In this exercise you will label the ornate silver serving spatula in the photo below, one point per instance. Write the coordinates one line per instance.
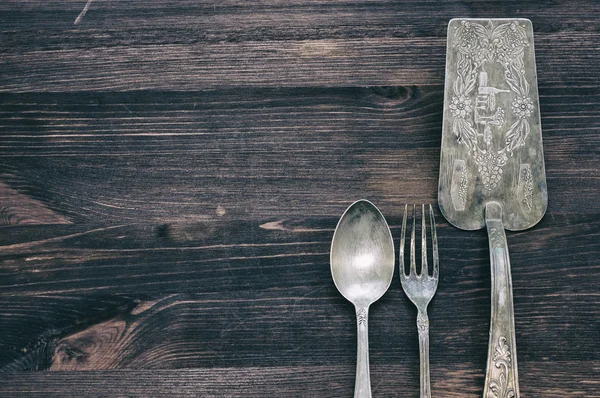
(492, 164)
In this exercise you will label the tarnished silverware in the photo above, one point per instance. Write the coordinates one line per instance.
(420, 287)
(492, 164)
(362, 265)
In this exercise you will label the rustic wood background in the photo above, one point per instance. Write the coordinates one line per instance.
(171, 174)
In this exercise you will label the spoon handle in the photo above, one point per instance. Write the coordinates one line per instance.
(362, 386)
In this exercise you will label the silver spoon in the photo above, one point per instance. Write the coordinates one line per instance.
(362, 265)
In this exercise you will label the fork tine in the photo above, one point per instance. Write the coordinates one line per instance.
(413, 263)
(402, 240)
(434, 245)
(424, 267)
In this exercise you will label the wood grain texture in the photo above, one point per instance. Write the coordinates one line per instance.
(321, 381)
(146, 156)
(175, 296)
(171, 175)
(183, 45)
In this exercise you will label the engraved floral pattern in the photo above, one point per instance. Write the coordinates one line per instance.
(460, 106)
(459, 185)
(497, 238)
(481, 47)
(526, 186)
(522, 107)
(361, 315)
(423, 323)
(462, 189)
(489, 165)
(500, 386)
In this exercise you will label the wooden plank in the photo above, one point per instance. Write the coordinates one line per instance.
(390, 380)
(142, 297)
(331, 63)
(157, 156)
(160, 157)
(308, 381)
(191, 46)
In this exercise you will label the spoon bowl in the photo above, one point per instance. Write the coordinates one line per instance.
(362, 254)
(362, 266)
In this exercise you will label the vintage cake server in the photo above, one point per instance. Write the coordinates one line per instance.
(492, 165)
(362, 265)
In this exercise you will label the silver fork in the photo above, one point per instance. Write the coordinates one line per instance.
(420, 287)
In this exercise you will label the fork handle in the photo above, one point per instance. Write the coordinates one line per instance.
(501, 379)
(423, 328)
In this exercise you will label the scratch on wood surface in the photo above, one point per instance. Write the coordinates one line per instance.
(279, 226)
(83, 12)
(29, 245)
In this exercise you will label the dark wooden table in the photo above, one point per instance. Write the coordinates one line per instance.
(171, 174)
